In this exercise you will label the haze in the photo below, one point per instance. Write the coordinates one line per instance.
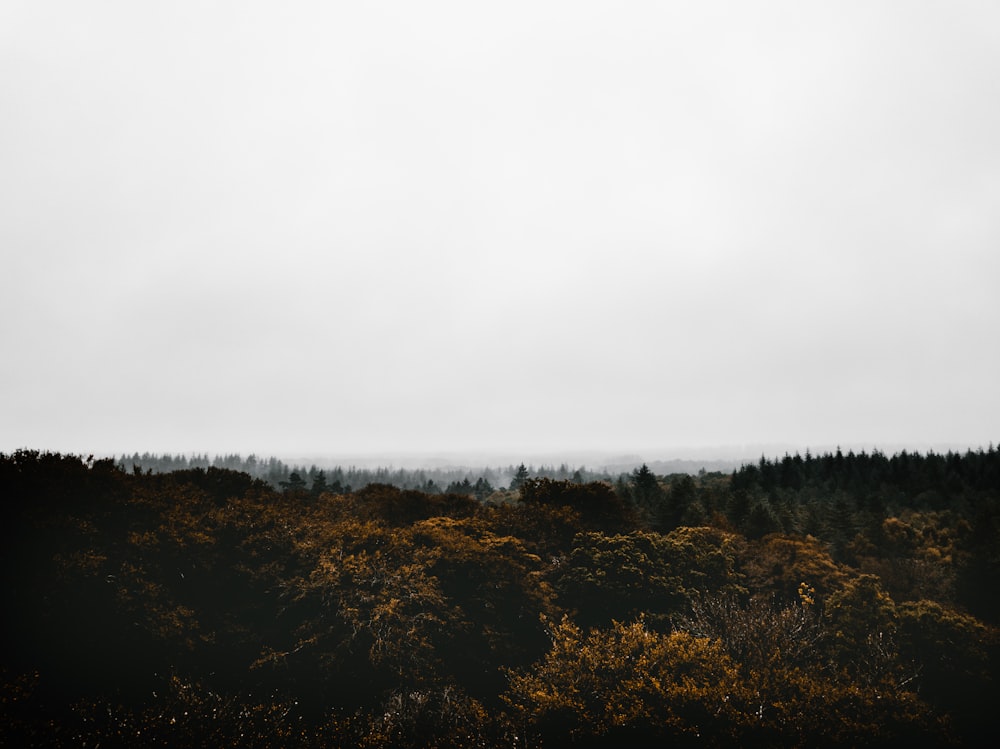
(318, 228)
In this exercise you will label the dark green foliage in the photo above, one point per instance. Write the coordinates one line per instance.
(956, 661)
(295, 483)
(398, 507)
(597, 503)
(519, 477)
(221, 483)
(340, 479)
(624, 576)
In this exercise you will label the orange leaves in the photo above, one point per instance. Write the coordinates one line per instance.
(625, 678)
(779, 564)
(414, 613)
(606, 577)
(441, 596)
(628, 685)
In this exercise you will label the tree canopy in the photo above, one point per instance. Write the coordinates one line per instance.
(818, 601)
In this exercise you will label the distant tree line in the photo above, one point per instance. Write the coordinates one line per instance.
(479, 482)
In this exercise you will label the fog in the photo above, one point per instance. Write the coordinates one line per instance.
(529, 229)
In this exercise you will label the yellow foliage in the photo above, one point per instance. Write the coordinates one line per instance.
(626, 677)
(779, 563)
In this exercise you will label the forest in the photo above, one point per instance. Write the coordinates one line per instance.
(432, 480)
(830, 600)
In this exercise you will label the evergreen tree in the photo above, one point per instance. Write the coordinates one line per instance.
(519, 478)
(319, 485)
(295, 483)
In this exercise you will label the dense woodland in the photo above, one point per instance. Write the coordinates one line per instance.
(832, 600)
(341, 479)
(441, 480)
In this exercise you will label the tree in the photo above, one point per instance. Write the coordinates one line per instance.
(955, 657)
(628, 686)
(778, 564)
(463, 487)
(648, 497)
(644, 484)
(295, 483)
(760, 634)
(620, 577)
(520, 477)
(683, 494)
(319, 485)
(863, 622)
(482, 488)
(600, 507)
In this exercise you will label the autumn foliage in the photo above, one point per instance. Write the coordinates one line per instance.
(206, 608)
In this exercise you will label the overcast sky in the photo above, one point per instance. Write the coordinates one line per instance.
(354, 227)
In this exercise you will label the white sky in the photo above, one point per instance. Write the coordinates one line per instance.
(518, 226)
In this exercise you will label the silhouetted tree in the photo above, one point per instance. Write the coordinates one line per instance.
(519, 477)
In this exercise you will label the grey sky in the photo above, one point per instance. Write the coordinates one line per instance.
(439, 226)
